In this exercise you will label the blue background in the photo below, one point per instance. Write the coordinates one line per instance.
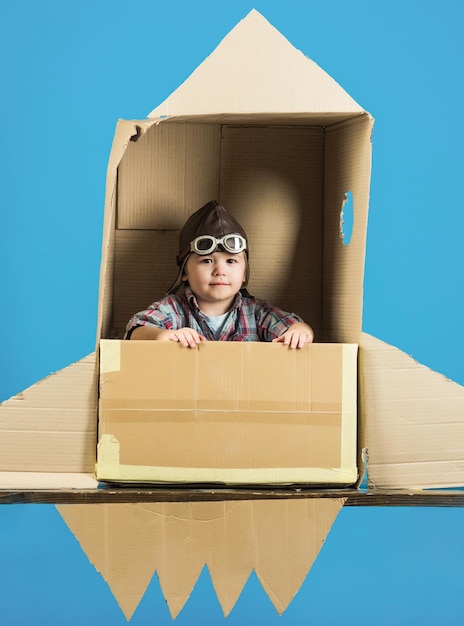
(69, 70)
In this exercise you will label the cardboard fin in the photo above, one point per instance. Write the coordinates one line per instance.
(278, 539)
(412, 419)
(180, 549)
(231, 547)
(126, 543)
(51, 426)
(289, 542)
(118, 541)
(255, 65)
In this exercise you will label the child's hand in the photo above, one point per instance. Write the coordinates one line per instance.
(188, 337)
(297, 336)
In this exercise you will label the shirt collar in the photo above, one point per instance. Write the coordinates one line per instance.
(191, 299)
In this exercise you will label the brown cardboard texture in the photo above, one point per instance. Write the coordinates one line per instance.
(277, 539)
(48, 434)
(415, 436)
(227, 412)
(281, 145)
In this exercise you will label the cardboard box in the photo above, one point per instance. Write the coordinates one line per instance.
(252, 413)
(281, 153)
(285, 178)
(284, 172)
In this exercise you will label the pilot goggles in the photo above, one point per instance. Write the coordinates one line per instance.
(205, 244)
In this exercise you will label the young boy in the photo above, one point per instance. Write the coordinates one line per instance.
(215, 306)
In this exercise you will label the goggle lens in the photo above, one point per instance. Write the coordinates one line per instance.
(205, 244)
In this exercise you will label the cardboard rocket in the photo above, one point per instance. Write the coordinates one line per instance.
(261, 127)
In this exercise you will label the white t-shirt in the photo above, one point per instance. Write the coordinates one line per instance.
(216, 323)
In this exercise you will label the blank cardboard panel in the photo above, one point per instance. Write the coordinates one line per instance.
(227, 412)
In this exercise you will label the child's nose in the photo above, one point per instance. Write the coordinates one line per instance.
(219, 267)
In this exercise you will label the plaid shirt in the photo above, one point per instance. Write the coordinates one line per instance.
(249, 319)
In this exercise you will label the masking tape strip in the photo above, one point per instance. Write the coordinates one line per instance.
(110, 356)
(349, 403)
(108, 451)
(270, 476)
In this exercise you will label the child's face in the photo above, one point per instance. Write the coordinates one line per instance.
(215, 279)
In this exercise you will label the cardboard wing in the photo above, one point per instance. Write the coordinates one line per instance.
(412, 419)
(48, 431)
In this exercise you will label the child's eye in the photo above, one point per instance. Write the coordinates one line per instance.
(206, 260)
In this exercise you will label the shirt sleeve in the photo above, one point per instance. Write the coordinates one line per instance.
(160, 314)
(272, 321)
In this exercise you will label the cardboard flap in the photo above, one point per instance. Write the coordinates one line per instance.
(51, 426)
(126, 543)
(413, 420)
(256, 69)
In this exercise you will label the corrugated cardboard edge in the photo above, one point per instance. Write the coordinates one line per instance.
(412, 419)
(51, 426)
(278, 539)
